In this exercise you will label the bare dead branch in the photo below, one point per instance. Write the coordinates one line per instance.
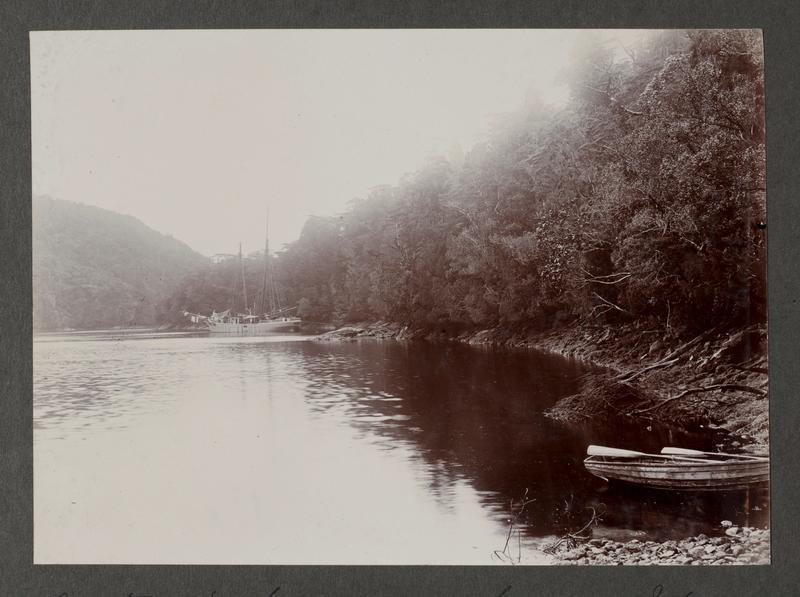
(614, 100)
(599, 279)
(659, 365)
(573, 538)
(609, 303)
(504, 554)
(721, 386)
(669, 358)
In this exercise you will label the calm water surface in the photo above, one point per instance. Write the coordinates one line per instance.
(169, 448)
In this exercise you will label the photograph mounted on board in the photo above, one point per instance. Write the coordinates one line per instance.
(400, 297)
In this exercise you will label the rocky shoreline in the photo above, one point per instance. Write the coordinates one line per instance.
(715, 380)
(738, 546)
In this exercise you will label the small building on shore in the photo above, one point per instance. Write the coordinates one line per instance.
(220, 257)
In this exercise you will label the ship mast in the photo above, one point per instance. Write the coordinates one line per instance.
(244, 283)
(266, 269)
(270, 303)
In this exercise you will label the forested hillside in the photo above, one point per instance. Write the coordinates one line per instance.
(643, 198)
(94, 268)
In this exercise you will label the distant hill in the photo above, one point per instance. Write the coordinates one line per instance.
(94, 268)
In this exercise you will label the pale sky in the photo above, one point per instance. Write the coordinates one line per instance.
(196, 132)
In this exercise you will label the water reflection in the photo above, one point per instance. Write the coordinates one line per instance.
(476, 415)
(285, 448)
(99, 382)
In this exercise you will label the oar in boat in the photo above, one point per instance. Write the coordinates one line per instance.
(619, 453)
(688, 452)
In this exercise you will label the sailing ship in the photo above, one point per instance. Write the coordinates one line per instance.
(241, 323)
(269, 317)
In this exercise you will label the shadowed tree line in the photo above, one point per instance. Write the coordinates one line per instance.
(643, 198)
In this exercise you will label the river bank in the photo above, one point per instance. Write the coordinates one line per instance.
(717, 379)
(738, 546)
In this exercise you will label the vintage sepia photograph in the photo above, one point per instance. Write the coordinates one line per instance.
(400, 297)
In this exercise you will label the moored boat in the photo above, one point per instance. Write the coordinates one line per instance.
(679, 468)
(227, 323)
(273, 318)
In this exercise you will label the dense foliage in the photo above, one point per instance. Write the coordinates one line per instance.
(642, 199)
(93, 268)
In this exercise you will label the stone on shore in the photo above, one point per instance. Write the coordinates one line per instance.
(742, 546)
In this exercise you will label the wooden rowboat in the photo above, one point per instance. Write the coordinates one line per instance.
(678, 468)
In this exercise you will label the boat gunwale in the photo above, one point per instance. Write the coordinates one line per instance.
(675, 463)
(677, 472)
